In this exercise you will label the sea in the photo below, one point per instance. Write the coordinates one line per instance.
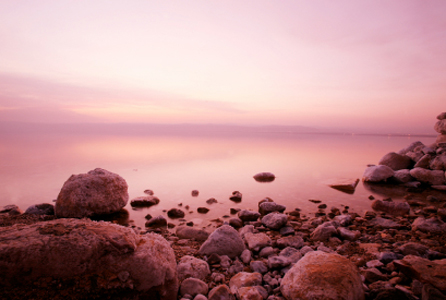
(172, 161)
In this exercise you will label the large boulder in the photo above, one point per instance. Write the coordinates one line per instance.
(396, 161)
(106, 255)
(377, 173)
(432, 177)
(440, 126)
(320, 275)
(225, 240)
(97, 192)
(390, 207)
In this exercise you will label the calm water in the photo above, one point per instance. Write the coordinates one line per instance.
(34, 166)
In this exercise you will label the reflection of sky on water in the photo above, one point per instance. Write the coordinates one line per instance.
(34, 168)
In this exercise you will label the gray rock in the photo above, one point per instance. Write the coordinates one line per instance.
(258, 266)
(220, 292)
(347, 234)
(384, 223)
(323, 232)
(396, 161)
(345, 185)
(236, 196)
(373, 274)
(320, 275)
(211, 201)
(249, 293)
(41, 209)
(68, 249)
(193, 287)
(403, 176)
(245, 229)
(267, 251)
(377, 173)
(225, 240)
(411, 147)
(286, 230)
(278, 262)
(431, 225)
(236, 222)
(144, 201)
(343, 220)
(424, 162)
(97, 192)
(438, 163)
(257, 241)
(440, 126)
(275, 221)
(187, 232)
(244, 279)
(412, 248)
(190, 266)
(441, 116)
(246, 256)
(390, 207)
(237, 267)
(305, 249)
(441, 140)
(387, 257)
(432, 177)
(290, 241)
(264, 177)
(269, 207)
(291, 253)
(158, 221)
(248, 215)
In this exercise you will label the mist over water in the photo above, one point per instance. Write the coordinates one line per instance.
(173, 161)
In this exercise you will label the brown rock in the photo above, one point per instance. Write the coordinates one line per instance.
(393, 208)
(396, 161)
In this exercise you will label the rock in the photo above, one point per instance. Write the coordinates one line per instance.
(69, 249)
(246, 256)
(144, 201)
(244, 279)
(377, 173)
(264, 177)
(411, 147)
(236, 222)
(236, 196)
(291, 253)
(267, 251)
(286, 230)
(441, 116)
(428, 292)
(305, 249)
(248, 215)
(186, 232)
(438, 163)
(373, 274)
(225, 240)
(202, 210)
(347, 234)
(220, 292)
(211, 201)
(431, 225)
(257, 241)
(148, 192)
(402, 176)
(290, 241)
(432, 177)
(11, 209)
(393, 208)
(389, 292)
(323, 232)
(158, 221)
(175, 213)
(278, 262)
(441, 140)
(345, 185)
(269, 207)
(41, 209)
(249, 293)
(396, 161)
(236, 267)
(99, 192)
(190, 266)
(193, 287)
(275, 221)
(320, 275)
(424, 270)
(384, 223)
(412, 248)
(258, 266)
(424, 162)
(343, 220)
(200, 297)
(195, 193)
(440, 126)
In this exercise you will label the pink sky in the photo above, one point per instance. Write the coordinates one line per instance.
(363, 65)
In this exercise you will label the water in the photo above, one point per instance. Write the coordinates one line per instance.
(35, 164)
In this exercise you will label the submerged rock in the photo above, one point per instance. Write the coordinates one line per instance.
(236, 196)
(345, 185)
(390, 207)
(68, 249)
(98, 192)
(144, 201)
(264, 177)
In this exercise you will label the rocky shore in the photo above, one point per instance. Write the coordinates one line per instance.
(396, 250)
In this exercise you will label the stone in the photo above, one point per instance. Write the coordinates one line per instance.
(248, 215)
(323, 232)
(236, 267)
(195, 193)
(428, 292)
(190, 266)
(411, 147)
(424, 270)
(402, 176)
(220, 292)
(290, 241)
(211, 201)
(257, 241)
(278, 262)
(396, 161)
(305, 249)
(200, 297)
(236, 222)
(441, 116)
(424, 162)
(202, 210)
(438, 163)
(345, 185)
(269, 207)
(373, 274)
(432, 177)
(69, 249)
(258, 266)
(236, 196)
(412, 248)
(193, 287)
(246, 256)
(98, 192)
(393, 208)
(432, 225)
(286, 230)
(377, 173)
(387, 257)
(291, 253)
(347, 234)
(441, 140)
(384, 223)
(244, 279)
(156, 222)
(187, 232)
(249, 293)
(343, 220)
(275, 221)
(175, 213)
(10, 208)
(320, 275)
(264, 177)
(440, 126)
(148, 192)
(40, 209)
(225, 240)
(267, 251)
(144, 201)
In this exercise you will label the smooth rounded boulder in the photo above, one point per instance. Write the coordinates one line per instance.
(396, 161)
(98, 192)
(432, 177)
(108, 256)
(320, 275)
(377, 173)
(225, 240)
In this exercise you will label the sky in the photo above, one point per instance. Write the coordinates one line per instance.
(372, 65)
